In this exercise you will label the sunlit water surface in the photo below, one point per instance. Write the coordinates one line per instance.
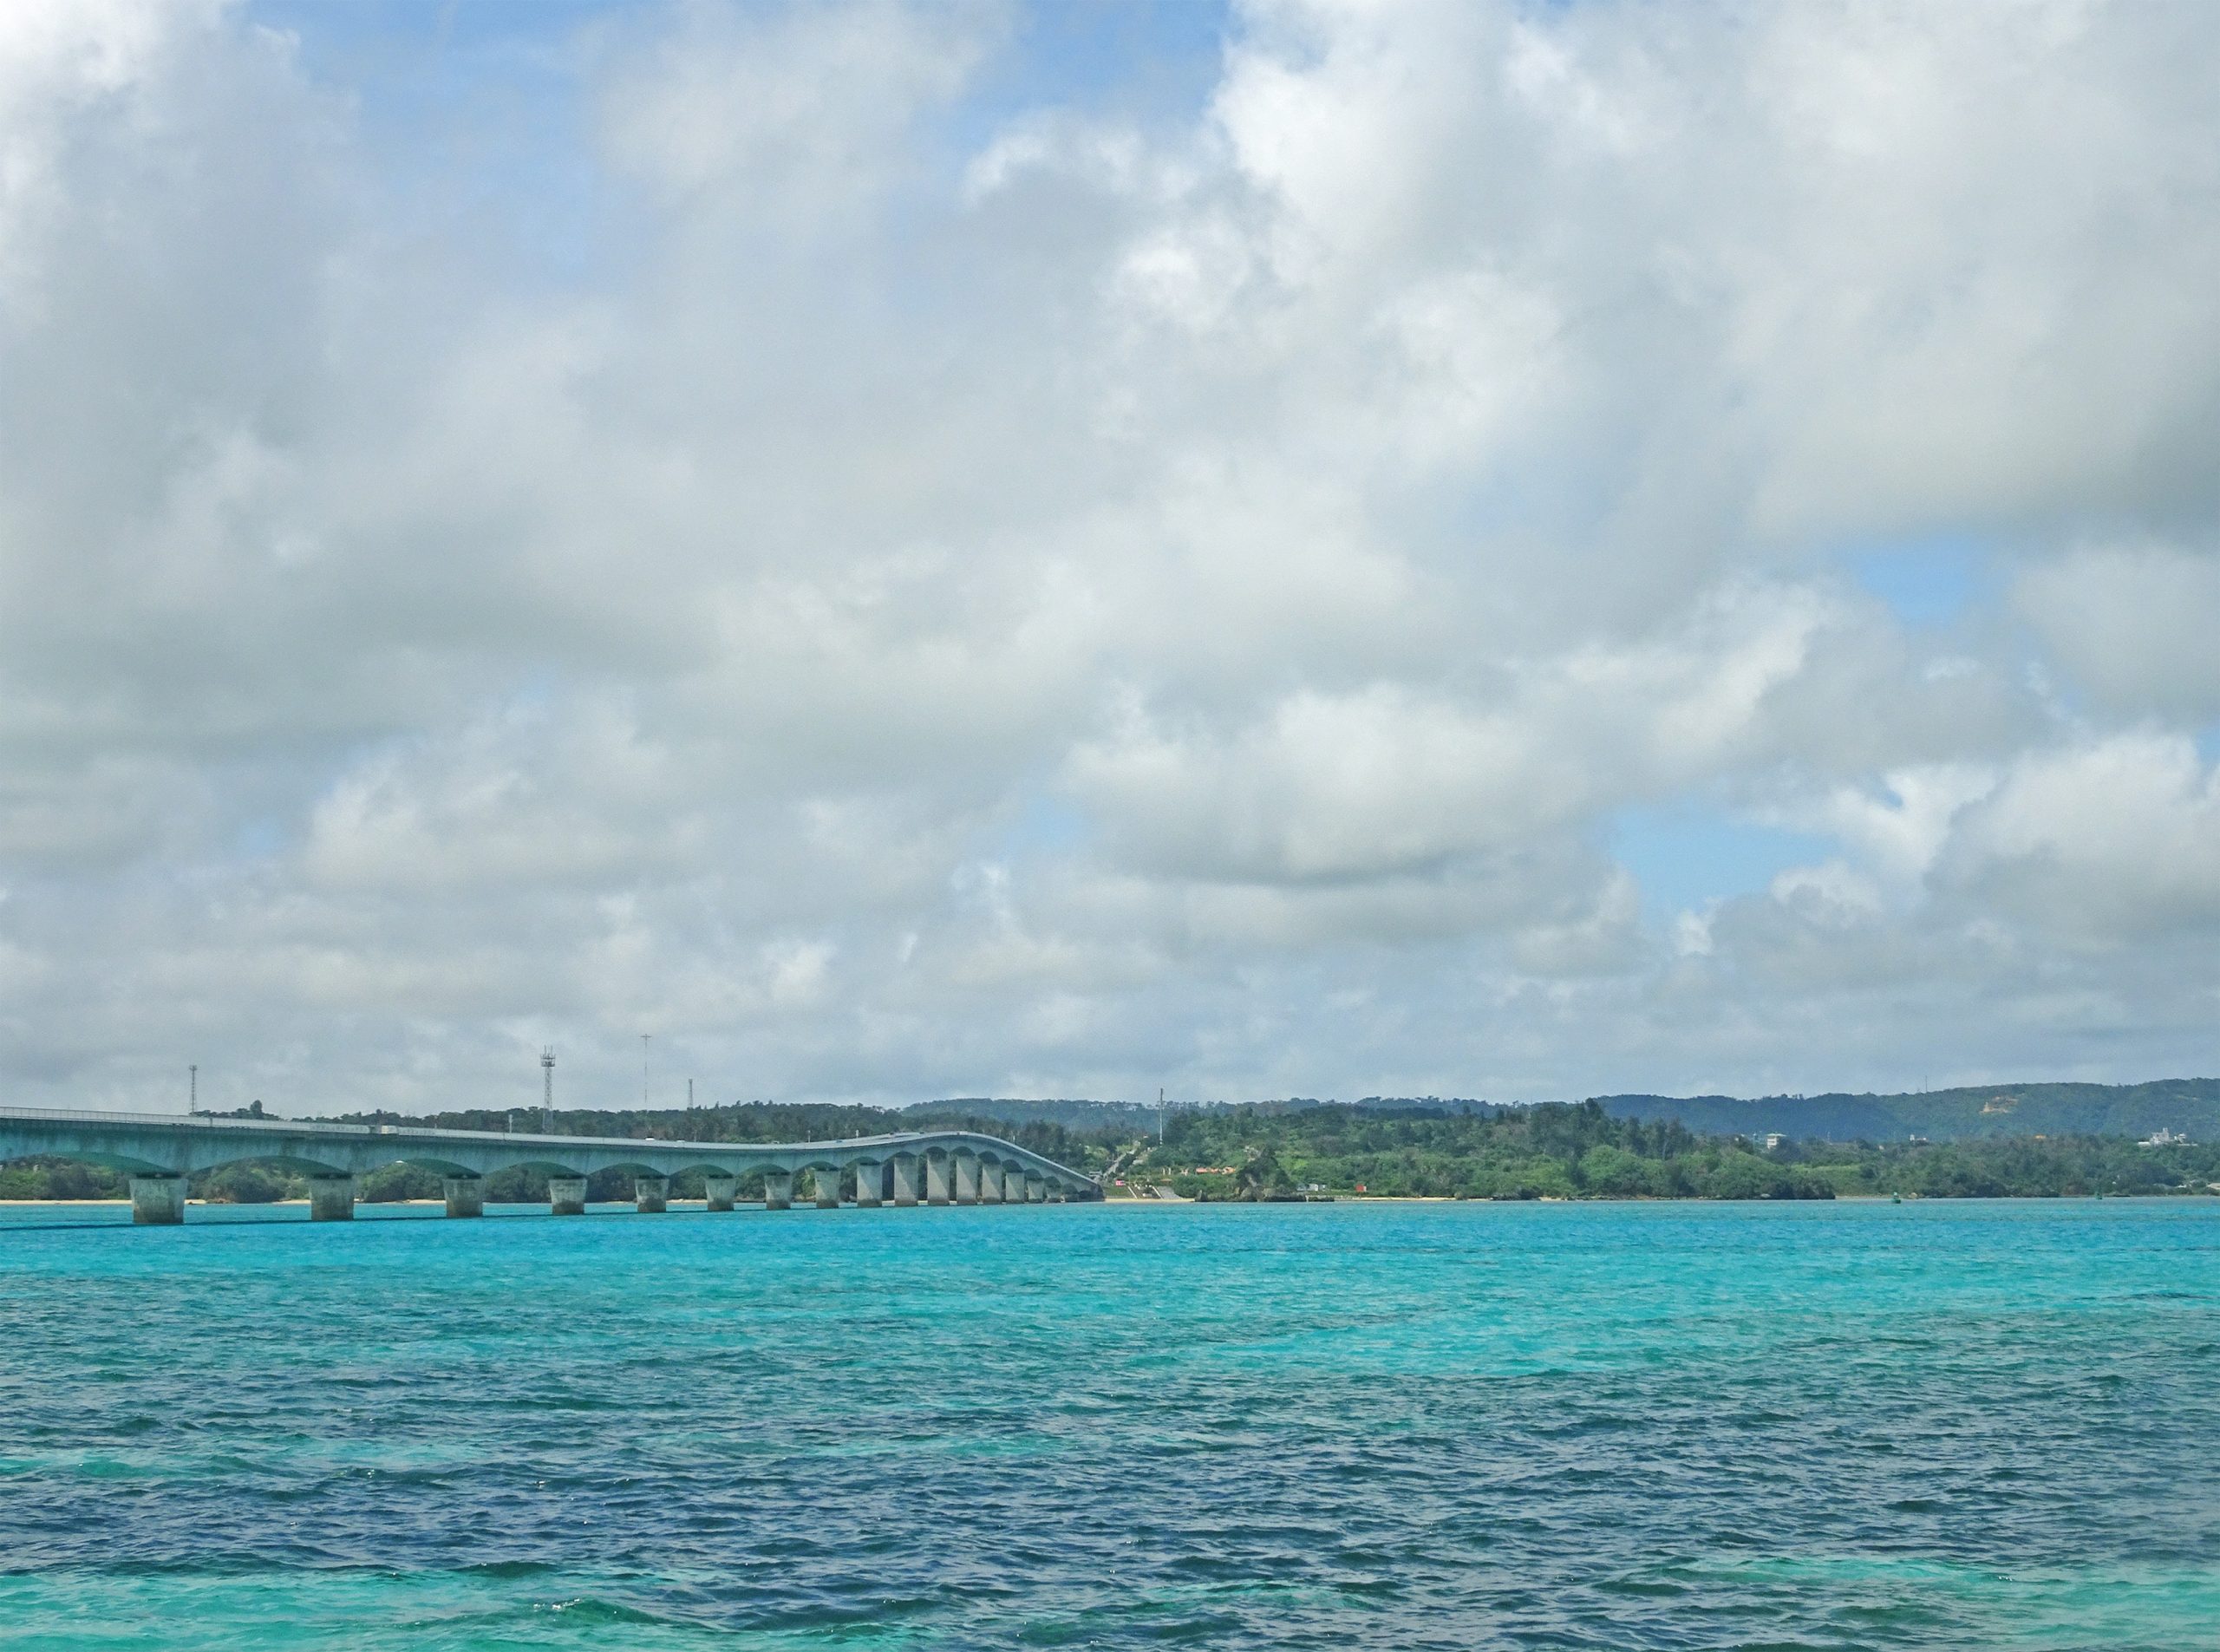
(1452, 1426)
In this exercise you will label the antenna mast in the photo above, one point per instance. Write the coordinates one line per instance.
(547, 1091)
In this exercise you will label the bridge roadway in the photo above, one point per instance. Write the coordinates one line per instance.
(158, 1151)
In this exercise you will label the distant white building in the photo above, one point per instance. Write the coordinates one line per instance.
(2163, 1138)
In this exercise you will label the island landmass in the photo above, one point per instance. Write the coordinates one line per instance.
(2101, 1140)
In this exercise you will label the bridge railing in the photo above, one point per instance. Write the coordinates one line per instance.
(336, 1127)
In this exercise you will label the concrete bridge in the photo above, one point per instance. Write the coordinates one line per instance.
(158, 1151)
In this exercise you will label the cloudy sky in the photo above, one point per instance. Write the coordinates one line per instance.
(1307, 548)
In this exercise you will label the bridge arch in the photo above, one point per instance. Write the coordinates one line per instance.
(123, 1163)
(438, 1164)
(295, 1164)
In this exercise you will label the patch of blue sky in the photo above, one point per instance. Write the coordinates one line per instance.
(1686, 855)
(260, 839)
(1927, 580)
(339, 35)
(482, 107)
(538, 689)
(474, 114)
(1145, 58)
(1044, 825)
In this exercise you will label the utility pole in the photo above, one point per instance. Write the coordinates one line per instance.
(547, 1091)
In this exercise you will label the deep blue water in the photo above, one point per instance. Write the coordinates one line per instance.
(1452, 1426)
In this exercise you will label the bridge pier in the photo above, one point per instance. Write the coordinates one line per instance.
(718, 1184)
(967, 1179)
(331, 1198)
(778, 1190)
(651, 1194)
(566, 1195)
(1033, 1189)
(828, 1189)
(869, 1175)
(937, 1179)
(990, 1184)
(158, 1201)
(466, 1195)
(905, 1178)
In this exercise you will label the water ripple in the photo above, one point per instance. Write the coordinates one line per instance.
(1449, 1425)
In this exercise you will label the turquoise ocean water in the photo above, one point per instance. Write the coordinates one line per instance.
(1451, 1426)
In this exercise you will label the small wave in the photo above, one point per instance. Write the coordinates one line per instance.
(593, 1612)
(509, 1569)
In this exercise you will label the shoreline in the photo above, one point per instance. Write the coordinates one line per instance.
(678, 1206)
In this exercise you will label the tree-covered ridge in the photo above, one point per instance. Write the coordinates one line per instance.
(1581, 1150)
(1086, 1118)
(1563, 1151)
(2189, 1106)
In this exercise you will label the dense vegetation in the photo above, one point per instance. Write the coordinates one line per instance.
(1116, 1120)
(2022, 1167)
(1551, 1151)
(59, 1178)
(2188, 1106)
(1581, 1150)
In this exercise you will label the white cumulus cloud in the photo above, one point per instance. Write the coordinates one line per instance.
(816, 533)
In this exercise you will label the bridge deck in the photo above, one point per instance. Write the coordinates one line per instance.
(159, 1150)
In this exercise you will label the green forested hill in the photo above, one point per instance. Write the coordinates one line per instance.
(1556, 1151)
(1092, 1118)
(2186, 1106)
(1583, 1150)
